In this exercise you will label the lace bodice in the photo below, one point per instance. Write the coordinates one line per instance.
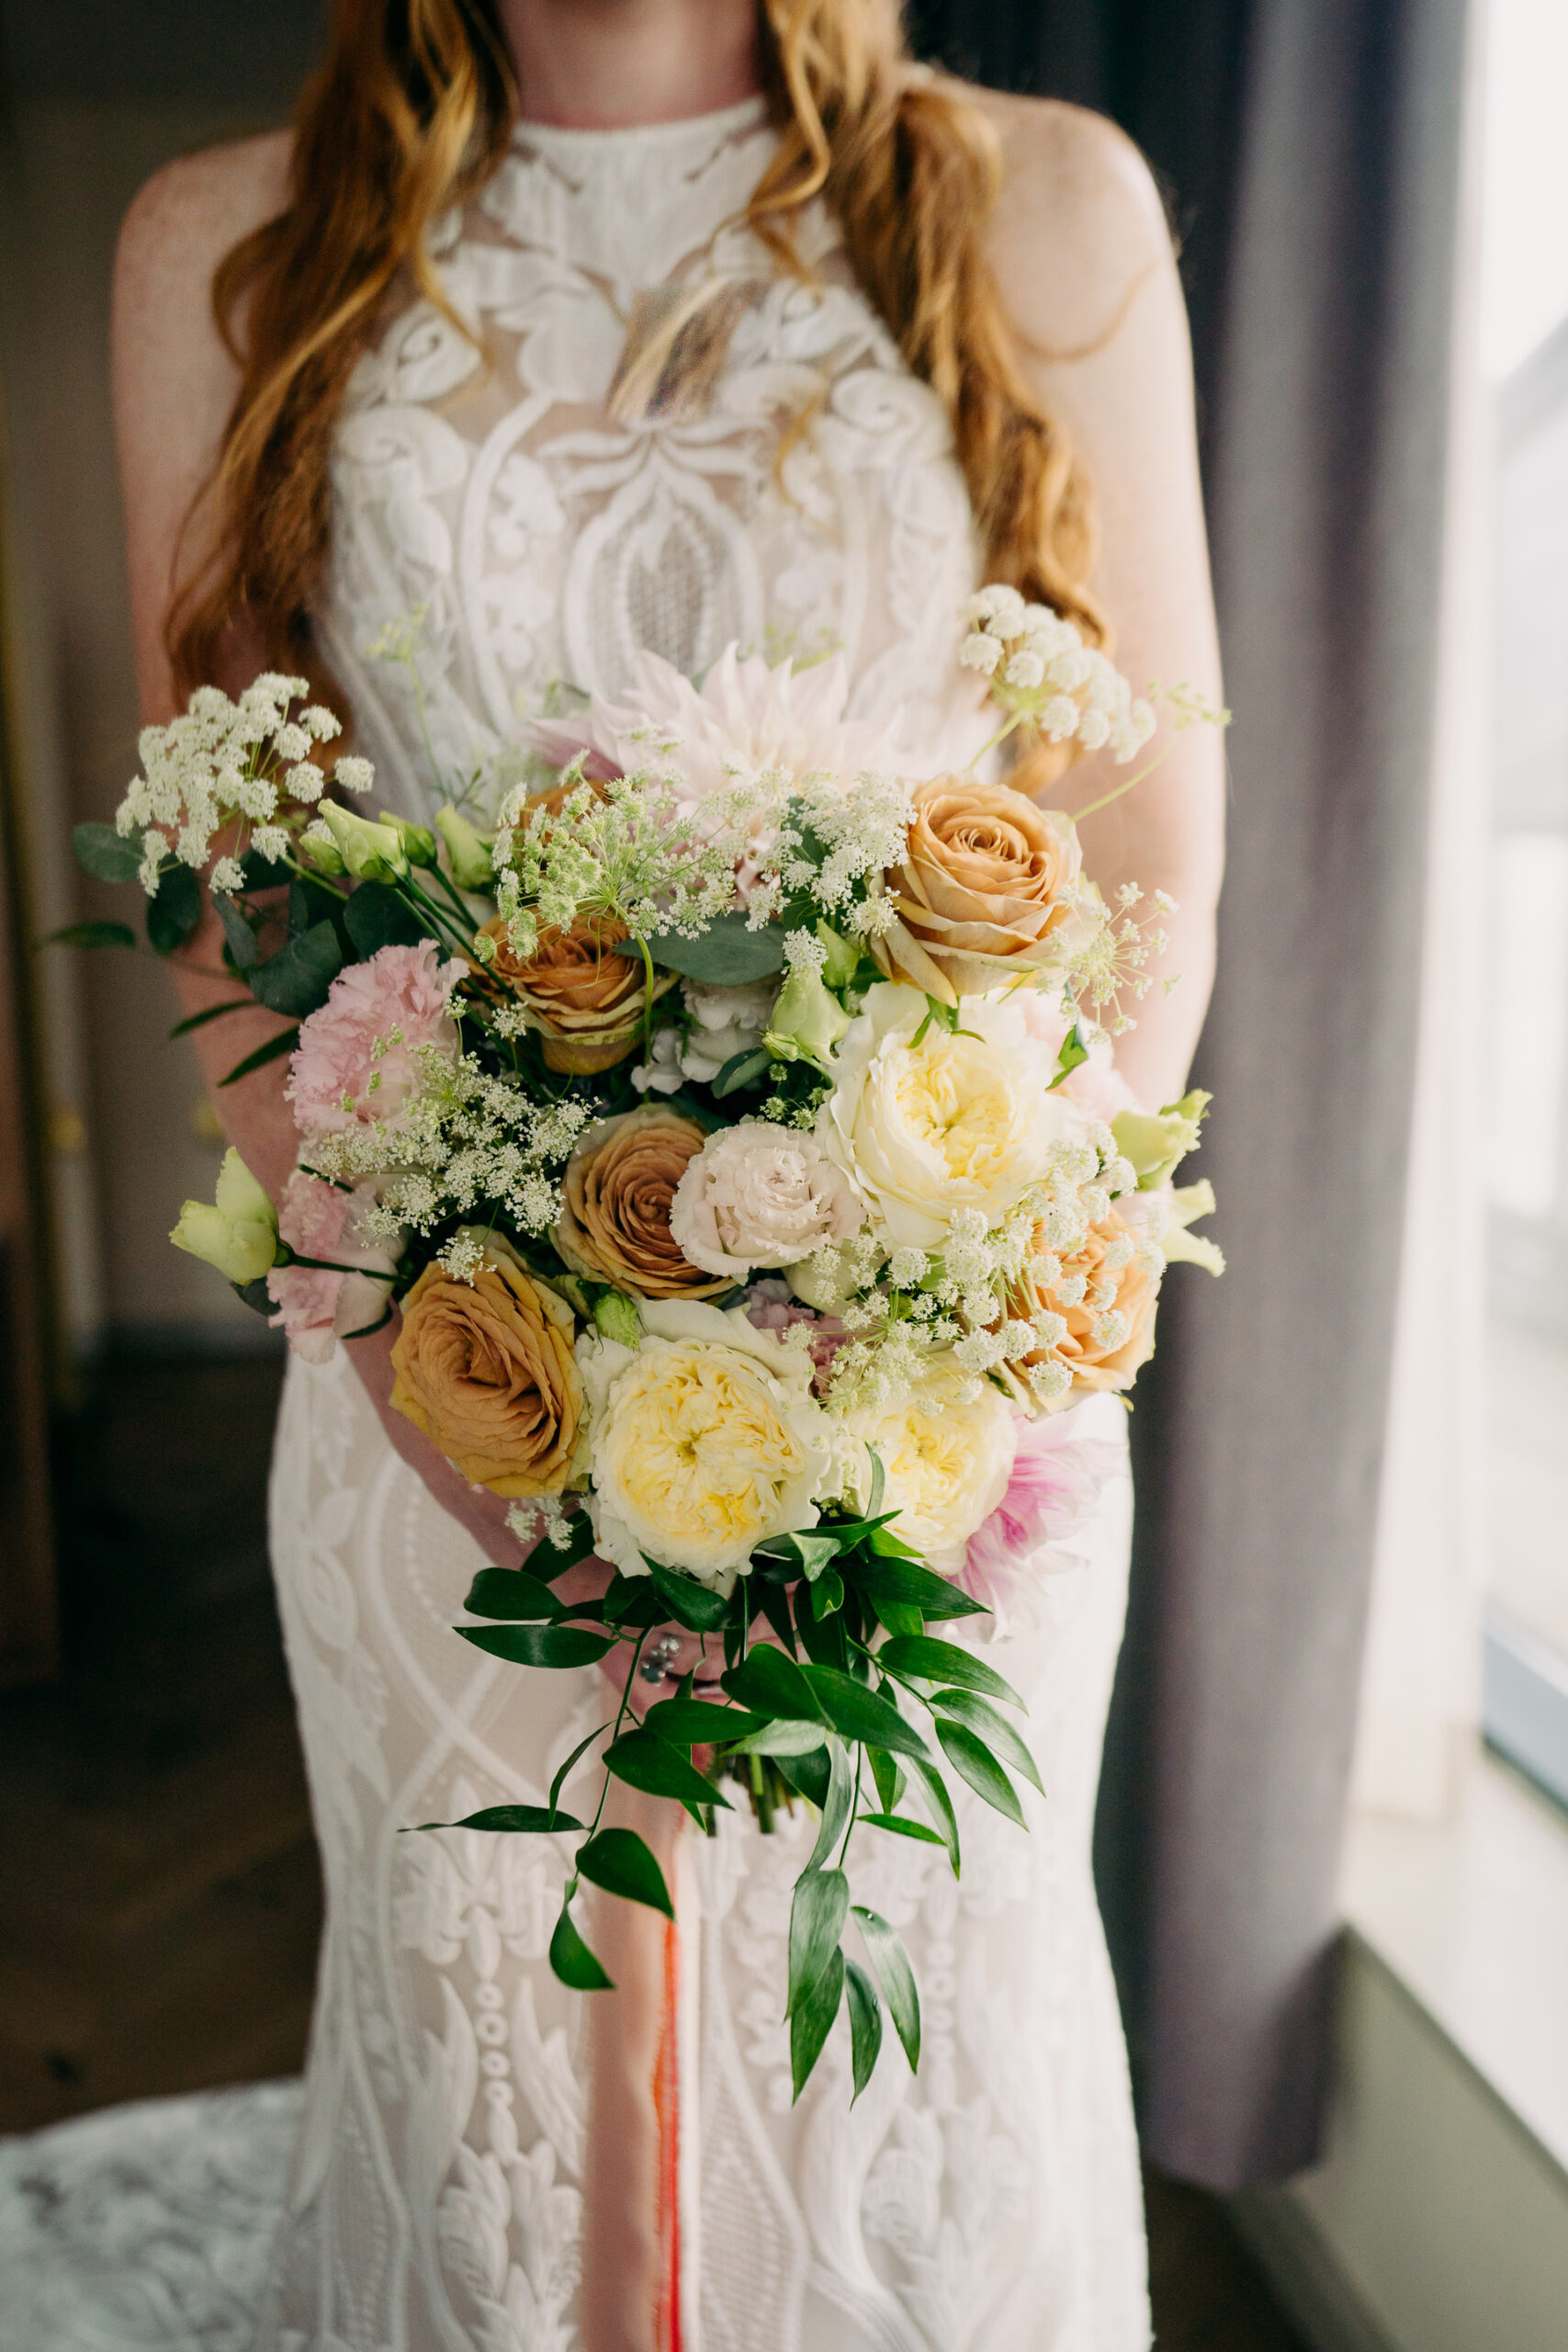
(811, 504)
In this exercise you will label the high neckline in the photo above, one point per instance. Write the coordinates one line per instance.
(694, 130)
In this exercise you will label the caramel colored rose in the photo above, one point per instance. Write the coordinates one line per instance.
(619, 1184)
(985, 892)
(586, 998)
(1110, 1329)
(486, 1369)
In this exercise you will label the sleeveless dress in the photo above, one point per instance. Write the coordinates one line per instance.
(493, 514)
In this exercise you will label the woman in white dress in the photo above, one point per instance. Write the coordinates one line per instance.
(434, 458)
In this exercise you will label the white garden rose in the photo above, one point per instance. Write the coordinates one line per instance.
(947, 1454)
(758, 1194)
(951, 1123)
(707, 1441)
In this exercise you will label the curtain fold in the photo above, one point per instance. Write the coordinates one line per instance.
(1310, 150)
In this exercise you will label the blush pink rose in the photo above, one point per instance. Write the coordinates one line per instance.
(317, 1307)
(760, 1195)
(772, 1307)
(1058, 1474)
(356, 1059)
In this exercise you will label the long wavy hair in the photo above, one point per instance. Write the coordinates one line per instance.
(412, 113)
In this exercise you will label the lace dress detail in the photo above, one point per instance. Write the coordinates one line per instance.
(433, 2199)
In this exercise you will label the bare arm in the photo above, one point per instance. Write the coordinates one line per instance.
(1084, 264)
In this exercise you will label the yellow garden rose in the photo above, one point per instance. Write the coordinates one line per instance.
(947, 1454)
(706, 1442)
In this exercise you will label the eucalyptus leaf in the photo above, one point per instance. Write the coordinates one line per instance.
(557, 1645)
(817, 1918)
(860, 1713)
(811, 2024)
(890, 1965)
(378, 916)
(245, 948)
(296, 979)
(619, 1862)
(977, 1715)
(175, 913)
(90, 934)
(727, 955)
(510, 1593)
(973, 1760)
(573, 1963)
(645, 1762)
(865, 2024)
(930, 1661)
(741, 1070)
(107, 855)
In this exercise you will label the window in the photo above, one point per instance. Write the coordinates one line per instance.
(1525, 336)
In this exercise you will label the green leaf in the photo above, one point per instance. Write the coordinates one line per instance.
(650, 1764)
(817, 1918)
(510, 1593)
(860, 1713)
(274, 1048)
(532, 1818)
(698, 1723)
(890, 1964)
(811, 2024)
(888, 1776)
(837, 1804)
(907, 1581)
(930, 1661)
(810, 1773)
(788, 1738)
(974, 1761)
(773, 1599)
(941, 1804)
(213, 1012)
(243, 945)
(690, 1603)
(296, 979)
(560, 1782)
(547, 1563)
(92, 934)
(636, 1601)
(619, 1862)
(773, 1684)
(173, 914)
(378, 916)
(905, 1829)
(878, 1483)
(976, 1715)
(557, 1646)
(741, 1069)
(1073, 1051)
(104, 853)
(727, 955)
(822, 1640)
(827, 1595)
(572, 1961)
(809, 1549)
(865, 2024)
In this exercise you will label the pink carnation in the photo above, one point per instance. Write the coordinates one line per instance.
(1057, 1475)
(355, 1057)
(316, 1306)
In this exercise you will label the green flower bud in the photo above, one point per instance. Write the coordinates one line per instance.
(807, 1022)
(1155, 1146)
(238, 1231)
(615, 1316)
(468, 851)
(843, 957)
(418, 841)
(371, 851)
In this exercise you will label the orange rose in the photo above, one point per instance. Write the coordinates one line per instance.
(486, 1369)
(586, 998)
(618, 1186)
(1110, 1329)
(985, 893)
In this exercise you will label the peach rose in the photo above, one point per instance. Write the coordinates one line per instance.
(985, 892)
(486, 1369)
(586, 1000)
(618, 1187)
(1109, 1329)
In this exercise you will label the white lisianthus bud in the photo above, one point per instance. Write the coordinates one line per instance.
(238, 1231)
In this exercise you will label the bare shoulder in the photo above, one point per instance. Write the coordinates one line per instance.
(1080, 225)
(187, 217)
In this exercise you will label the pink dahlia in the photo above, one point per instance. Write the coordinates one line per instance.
(356, 1059)
(317, 1307)
(1057, 1475)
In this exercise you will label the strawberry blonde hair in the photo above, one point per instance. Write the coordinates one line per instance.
(412, 112)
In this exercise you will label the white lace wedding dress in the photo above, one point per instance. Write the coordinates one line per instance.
(423, 2190)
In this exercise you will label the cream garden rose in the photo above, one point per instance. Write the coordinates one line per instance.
(758, 1194)
(947, 1452)
(952, 1122)
(707, 1441)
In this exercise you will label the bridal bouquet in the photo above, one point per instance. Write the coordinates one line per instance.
(730, 1123)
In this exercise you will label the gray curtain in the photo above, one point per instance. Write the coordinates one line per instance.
(1311, 147)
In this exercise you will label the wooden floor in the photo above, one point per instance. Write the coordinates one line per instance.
(159, 1895)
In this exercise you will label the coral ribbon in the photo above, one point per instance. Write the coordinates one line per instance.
(636, 2238)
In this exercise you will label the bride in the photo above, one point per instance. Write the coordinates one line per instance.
(401, 402)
